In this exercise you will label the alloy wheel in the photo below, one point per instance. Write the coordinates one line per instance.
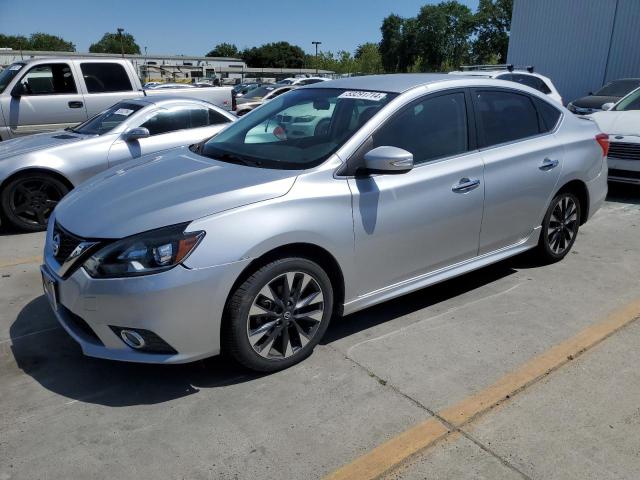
(285, 315)
(32, 200)
(563, 225)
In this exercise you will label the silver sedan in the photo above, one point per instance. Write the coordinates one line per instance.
(38, 170)
(324, 201)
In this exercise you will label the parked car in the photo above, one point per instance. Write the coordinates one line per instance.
(252, 247)
(610, 93)
(525, 77)
(244, 88)
(301, 81)
(173, 85)
(622, 122)
(46, 94)
(258, 96)
(38, 170)
(151, 84)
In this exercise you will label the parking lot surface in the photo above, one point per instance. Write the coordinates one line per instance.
(377, 374)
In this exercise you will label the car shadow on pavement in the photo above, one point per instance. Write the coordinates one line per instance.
(44, 351)
(624, 193)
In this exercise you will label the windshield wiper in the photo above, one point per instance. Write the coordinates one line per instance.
(71, 129)
(231, 158)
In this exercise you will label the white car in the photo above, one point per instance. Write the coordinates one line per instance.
(301, 81)
(525, 77)
(621, 121)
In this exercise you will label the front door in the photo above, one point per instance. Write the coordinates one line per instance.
(410, 224)
(49, 101)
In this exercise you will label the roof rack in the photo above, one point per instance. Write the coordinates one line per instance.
(502, 66)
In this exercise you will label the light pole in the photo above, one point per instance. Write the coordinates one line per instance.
(316, 44)
(120, 30)
(146, 73)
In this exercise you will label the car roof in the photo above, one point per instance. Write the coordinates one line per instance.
(161, 100)
(395, 82)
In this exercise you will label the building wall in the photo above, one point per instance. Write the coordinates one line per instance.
(579, 44)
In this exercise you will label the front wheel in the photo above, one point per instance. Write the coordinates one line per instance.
(559, 228)
(28, 200)
(278, 315)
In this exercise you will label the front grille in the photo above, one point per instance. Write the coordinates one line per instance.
(624, 174)
(67, 243)
(624, 151)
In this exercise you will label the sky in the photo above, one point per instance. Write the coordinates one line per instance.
(193, 27)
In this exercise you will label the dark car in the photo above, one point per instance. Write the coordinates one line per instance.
(611, 92)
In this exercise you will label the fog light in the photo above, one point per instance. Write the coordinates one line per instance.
(132, 338)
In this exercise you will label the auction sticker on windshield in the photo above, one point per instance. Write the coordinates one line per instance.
(123, 111)
(362, 95)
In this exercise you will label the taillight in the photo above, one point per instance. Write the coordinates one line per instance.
(603, 141)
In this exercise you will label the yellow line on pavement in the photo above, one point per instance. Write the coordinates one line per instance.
(20, 261)
(392, 453)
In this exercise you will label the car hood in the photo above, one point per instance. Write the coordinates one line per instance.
(618, 123)
(594, 101)
(30, 143)
(164, 189)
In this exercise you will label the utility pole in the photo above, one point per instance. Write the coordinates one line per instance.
(316, 44)
(120, 30)
(146, 73)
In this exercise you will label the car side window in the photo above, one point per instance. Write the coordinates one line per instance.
(431, 128)
(549, 115)
(49, 79)
(505, 116)
(181, 118)
(105, 77)
(216, 118)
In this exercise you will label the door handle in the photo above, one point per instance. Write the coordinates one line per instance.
(75, 104)
(465, 185)
(548, 164)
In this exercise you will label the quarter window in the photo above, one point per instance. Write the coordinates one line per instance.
(49, 79)
(432, 128)
(105, 77)
(505, 117)
(549, 115)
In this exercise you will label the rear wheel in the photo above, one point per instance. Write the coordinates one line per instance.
(278, 315)
(28, 200)
(559, 228)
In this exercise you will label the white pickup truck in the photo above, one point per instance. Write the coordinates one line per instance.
(46, 94)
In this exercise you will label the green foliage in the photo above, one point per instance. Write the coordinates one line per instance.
(278, 54)
(111, 43)
(37, 41)
(224, 50)
(444, 36)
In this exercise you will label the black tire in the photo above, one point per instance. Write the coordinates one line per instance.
(28, 200)
(237, 323)
(557, 237)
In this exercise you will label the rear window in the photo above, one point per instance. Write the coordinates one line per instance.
(549, 115)
(618, 88)
(528, 80)
(105, 77)
(505, 116)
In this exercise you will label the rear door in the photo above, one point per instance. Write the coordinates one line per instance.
(105, 83)
(523, 160)
(169, 127)
(50, 100)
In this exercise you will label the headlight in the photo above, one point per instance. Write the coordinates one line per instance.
(143, 254)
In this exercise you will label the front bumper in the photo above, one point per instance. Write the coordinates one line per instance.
(624, 171)
(182, 306)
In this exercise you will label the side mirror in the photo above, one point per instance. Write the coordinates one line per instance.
(388, 160)
(608, 106)
(18, 90)
(135, 134)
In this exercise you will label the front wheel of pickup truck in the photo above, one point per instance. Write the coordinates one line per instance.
(29, 199)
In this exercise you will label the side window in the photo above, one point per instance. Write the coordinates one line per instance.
(431, 128)
(505, 116)
(49, 79)
(105, 77)
(166, 121)
(216, 118)
(549, 114)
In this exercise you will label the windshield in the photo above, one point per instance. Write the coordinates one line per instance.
(108, 119)
(8, 73)
(619, 88)
(260, 92)
(297, 130)
(630, 102)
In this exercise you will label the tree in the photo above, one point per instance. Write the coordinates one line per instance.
(368, 59)
(224, 50)
(391, 45)
(110, 43)
(36, 41)
(277, 54)
(493, 24)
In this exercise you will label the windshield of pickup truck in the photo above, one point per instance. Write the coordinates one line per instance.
(8, 74)
(297, 130)
(107, 120)
(258, 93)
